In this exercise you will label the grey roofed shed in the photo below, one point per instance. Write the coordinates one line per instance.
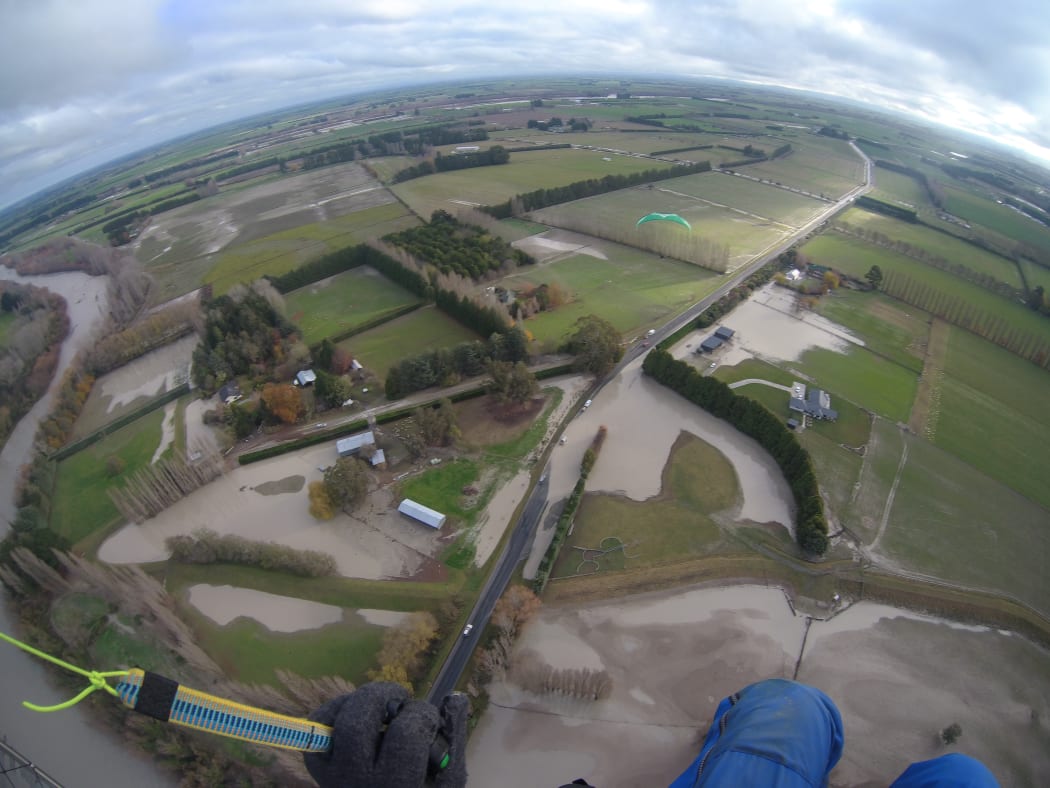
(424, 514)
(344, 447)
(711, 343)
(723, 332)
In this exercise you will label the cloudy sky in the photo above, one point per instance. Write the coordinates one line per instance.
(83, 81)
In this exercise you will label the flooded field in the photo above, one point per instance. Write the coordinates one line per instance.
(136, 383)
(267, 501)
(897, 677)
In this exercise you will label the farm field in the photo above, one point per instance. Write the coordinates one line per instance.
(889, 328)
(951, 521)
(288, 249)
(744, 235)
(864, 378)
(999, 218)
(81, 504)
(631, 289)
(7, 319)
(380, 348)
(855, 258)
(1037, 275)
(829, 170)
(897, 187)
(524, 173)
(645, 143)
(698, 482)
(743, 194)
(341, 302)
(993, 414)
(936, 243)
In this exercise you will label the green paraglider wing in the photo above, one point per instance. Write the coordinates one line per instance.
(664, 217)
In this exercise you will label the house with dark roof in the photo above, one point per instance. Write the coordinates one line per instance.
(814, 402)
(230, 393)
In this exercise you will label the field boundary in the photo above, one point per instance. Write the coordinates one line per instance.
(121, 421)
(926, 407)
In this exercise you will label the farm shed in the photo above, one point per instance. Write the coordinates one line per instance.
(347, 447)
(306, 378)
(724, 333)
(424, 514)
(709, 344)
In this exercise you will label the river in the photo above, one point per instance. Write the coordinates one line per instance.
(70, 745)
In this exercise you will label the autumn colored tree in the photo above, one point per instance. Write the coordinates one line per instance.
(596, 345)
(320, 503)
(401, 655)
(346, 482)
(515, 608)
(283, 402)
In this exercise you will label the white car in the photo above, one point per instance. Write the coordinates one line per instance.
(650, 332)
(468, 629)
(587, 404)
(713, 365)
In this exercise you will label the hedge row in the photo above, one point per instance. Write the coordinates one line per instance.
(755, 421)
(564, 521)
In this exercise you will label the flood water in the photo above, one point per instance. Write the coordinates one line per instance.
(68, 745)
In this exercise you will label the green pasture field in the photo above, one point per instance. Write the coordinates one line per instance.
(632, 289)
(7, 320)
(698, 482)
(951, 521)
(837, 468)
(342, 302)
(283, 251)
(898, 188)
(386, 167)
(516, 229)
(524, 173)
(80, 504)
(862, 377)
(441, 488)
(999, 218)
(993, 414)
(889, 328)
(1036, 275)
(825, 170)
(248, 651)
(949, 247)
(851, 428)
(744, 235)
(855, 258)
(744, 194)
(382, 347)
(600, 138)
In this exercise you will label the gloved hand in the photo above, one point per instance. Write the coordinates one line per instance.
(363, 755)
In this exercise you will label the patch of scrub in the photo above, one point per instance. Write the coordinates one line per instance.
(289, 484)
(223, 604)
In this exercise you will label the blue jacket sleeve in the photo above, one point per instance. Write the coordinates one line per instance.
(776, 733)
(954, 770)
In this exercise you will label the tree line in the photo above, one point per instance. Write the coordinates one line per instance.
(755, 421)
(205, 546)
(153, 488)
(497, 154)
(932, 188)
(961, 312)
(141, 337)
(889, 209)
(30, 349)
(412, 142)
(542, 198)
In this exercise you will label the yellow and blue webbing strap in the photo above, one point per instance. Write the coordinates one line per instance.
(168, 701)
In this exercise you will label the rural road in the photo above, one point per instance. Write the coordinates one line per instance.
(526, 525)
(513, 552)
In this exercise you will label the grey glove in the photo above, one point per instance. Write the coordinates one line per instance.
(364, 755)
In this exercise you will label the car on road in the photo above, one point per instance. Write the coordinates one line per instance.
(650, 332)
(645, 344)
(587, 404)
(468, 629)
(713, 365)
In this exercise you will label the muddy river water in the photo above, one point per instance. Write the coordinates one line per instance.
(68, 745)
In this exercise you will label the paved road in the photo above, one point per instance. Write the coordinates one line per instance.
(526, 525)
(515, 550)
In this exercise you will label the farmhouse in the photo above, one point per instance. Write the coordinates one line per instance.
(724, 333)
(347, 447)
(424, 514)
(709, 344)
(815, 402)
(230, 393)
(306, 378)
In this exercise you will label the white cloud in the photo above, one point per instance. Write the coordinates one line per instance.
(86, 80)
